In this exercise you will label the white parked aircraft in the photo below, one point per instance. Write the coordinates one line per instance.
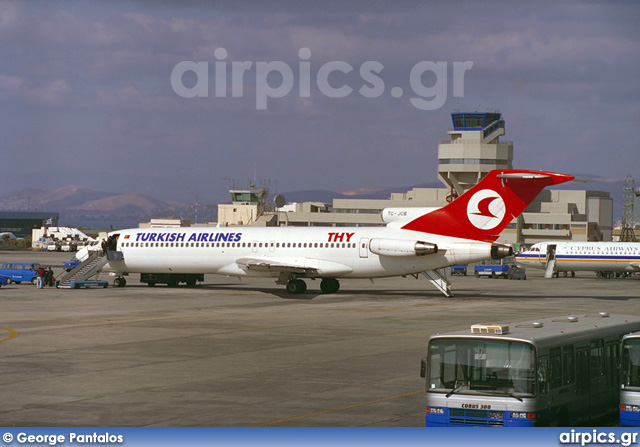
(604, 258)
(464, 231)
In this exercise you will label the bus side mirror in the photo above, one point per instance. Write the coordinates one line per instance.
(423, 368)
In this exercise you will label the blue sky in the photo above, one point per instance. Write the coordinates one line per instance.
(87, 96)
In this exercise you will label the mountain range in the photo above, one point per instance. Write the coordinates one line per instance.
(86, 207)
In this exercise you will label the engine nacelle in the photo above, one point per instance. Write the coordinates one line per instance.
(399, 247)
(500, 251)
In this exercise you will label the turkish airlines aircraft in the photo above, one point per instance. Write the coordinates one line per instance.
(605, 258)
(464, 231)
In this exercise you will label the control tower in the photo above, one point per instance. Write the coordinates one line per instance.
(247, 205)
(474, 150)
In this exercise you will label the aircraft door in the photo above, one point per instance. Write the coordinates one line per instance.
(272, 246)
(112, 248)
(364, 247)
(551, 253)
(254, 246)
(543, 252)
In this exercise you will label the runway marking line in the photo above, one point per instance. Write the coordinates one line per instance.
(12, 334)
(333, 410)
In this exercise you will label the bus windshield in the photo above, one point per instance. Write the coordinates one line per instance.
(631, 364)
(479, 366)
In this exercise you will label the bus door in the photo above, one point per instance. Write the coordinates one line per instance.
(613, 373)
(582, 386)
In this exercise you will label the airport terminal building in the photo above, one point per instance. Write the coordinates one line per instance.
(474, 149)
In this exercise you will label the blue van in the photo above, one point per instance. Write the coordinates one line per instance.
(20, 271)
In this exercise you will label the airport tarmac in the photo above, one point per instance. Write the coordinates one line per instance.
(246, 353)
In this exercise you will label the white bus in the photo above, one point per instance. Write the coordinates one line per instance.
(630, 381)
(553, 371)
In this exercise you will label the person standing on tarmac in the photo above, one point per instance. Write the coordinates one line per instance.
(39, 278)
(48, 277)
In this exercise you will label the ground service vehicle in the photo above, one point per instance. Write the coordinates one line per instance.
(493, 270)
(630, 381)
(503, 268)
(553, 371)
(69, 265)
(20, 271)
(459, 270)
(3, 280)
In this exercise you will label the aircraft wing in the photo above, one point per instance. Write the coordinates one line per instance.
(635, 266)
(310, 268)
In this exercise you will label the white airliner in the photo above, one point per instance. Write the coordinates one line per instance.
(464, 231)
(604, 258)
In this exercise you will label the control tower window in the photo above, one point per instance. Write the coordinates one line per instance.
(474, 122)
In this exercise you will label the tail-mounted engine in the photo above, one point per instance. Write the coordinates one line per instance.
(398, 247)
(500, 251)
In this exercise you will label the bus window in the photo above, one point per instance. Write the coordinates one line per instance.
(543, 368)
(596, 358)
(481, 367)
(555, 375)
(582, 362)
(631, 364)
(613, 353)
(568, 365)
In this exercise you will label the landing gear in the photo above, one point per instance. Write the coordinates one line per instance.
(296, 286)
(119, 282)
(329, 285)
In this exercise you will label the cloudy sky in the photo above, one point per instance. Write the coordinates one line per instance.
(179, 99)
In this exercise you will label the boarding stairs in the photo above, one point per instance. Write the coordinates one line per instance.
(439, 280)
(86, 269)
(551, 266)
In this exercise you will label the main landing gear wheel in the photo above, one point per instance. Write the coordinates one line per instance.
(119, 282)
(296, 287)
(330, 285)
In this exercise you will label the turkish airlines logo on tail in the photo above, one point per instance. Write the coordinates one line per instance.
(486, 209)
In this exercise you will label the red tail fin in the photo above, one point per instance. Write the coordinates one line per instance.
(486, 209)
